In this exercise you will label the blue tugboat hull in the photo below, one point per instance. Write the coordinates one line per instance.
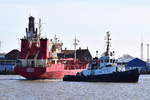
(126, 76)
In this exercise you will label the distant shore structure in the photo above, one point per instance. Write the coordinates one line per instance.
(142, 57)
(142, 50)
(147, 52)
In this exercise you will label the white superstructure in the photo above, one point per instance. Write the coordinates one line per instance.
(106, 64)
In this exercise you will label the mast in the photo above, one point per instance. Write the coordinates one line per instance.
(55, 39)
(40, 26)
(108, 44)
(75, 45)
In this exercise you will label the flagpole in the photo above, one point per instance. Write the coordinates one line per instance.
(75, 44)
(75, 48)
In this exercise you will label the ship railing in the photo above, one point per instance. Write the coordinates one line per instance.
(31, 63)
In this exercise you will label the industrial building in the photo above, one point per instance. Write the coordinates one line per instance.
(132, 63)
(8, 61)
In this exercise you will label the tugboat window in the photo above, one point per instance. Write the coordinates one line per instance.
(107, 60)
(111, 60)
(108, 65)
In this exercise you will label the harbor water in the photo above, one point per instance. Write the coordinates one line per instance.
(15, 87)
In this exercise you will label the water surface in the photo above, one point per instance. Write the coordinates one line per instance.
(14, 87)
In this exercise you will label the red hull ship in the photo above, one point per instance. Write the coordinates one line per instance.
(39, 58)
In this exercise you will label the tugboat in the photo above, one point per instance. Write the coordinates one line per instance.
(105, 69)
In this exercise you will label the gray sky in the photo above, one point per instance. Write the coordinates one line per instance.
(128, 22)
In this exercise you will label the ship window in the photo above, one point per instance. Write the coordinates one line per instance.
(108, 65)
(18, 61)
(32, 64)
(53, 62)
(58, 62)
(111, 60)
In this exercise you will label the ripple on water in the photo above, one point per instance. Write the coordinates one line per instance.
(13, 87)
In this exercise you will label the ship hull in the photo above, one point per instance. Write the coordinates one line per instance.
(45, 72)
(126, 76)
(39, 73)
